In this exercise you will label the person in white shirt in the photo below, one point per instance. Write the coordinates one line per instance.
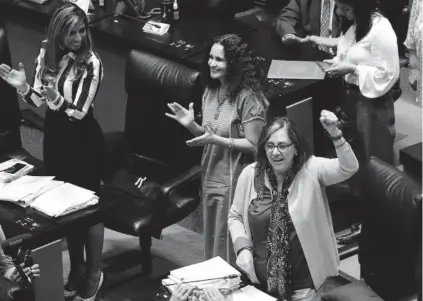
(367, 63)
(280, 221)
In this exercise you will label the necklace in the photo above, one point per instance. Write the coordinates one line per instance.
(220, 102)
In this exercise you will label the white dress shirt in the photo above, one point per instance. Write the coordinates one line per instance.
(376, 57)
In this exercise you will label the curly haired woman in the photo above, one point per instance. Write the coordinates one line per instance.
(233, 117)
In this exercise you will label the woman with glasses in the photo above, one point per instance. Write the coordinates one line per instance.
(233, 117)
(280, 221)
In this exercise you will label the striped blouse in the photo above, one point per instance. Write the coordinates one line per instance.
(75, 96)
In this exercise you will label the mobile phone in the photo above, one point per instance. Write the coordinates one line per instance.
(323, 65)
(14, 168)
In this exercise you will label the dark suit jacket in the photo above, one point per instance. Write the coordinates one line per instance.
(302, 17)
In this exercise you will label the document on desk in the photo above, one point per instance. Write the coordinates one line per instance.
(250, 293)
(64, 199)
(212, 268)
(280, 69)
(24, 190)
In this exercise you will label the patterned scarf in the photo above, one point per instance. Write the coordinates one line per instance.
(279, 265)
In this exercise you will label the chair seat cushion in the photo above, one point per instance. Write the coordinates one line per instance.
(135, 212)
(352, 292)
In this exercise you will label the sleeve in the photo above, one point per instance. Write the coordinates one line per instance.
(33, 96)
(414, 21)
(253, 107)
(332, 171)
(6, 265)
(377, 79)
(235, 218)
(87, 89)
(287, 20)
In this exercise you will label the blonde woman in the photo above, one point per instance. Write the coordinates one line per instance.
(67, 77)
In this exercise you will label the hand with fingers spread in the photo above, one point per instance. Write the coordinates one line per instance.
(180, 114)
(209, 137)
(330, 123)
(182, 292)
(15, 78)
(213, 294)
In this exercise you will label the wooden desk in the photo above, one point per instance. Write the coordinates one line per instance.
(46, 239)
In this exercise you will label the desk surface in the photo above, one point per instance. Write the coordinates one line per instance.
(50, 228)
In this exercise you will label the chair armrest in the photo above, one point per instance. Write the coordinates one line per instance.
(32, 119)
(348, 250)
(182, 179)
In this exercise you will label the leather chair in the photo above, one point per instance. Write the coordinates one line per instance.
(389, 246)
(152, 146)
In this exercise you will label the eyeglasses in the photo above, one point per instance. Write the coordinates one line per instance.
(282, 148)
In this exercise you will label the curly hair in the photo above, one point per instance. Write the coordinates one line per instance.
(243, 70)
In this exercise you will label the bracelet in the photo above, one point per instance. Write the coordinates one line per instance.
(341, 144)
(244, 248)
(336, 137)
(231, 143)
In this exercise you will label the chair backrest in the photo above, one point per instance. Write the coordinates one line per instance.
(390, 241)
(151, 83)
(9, 112)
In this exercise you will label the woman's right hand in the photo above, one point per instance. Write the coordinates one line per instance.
(245, 262)
(15, 78)
(180, 114)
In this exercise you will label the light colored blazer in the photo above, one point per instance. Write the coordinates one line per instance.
(308, 207)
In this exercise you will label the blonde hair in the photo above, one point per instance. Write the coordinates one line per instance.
(61, 24)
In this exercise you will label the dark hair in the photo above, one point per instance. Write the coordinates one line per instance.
(61, 23)
(243, 71)
(363, 11)
(300, 143)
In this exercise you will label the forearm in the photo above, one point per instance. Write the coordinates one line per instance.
(242, 145)
(325, 41)
(195, 129)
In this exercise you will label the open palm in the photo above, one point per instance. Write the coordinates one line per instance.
(183, 116)
(15, 78)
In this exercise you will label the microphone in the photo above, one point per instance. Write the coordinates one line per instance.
(10, 246)
(233, 276)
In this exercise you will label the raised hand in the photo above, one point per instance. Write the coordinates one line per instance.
(180, 114)
(15, 78)
(330, 123)
(207, 138)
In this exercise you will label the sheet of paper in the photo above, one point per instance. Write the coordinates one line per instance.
(250, 293)
(212, 268)
(280, 69)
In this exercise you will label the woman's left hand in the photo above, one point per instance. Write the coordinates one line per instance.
(207, 138)
(213, 294)
(49, 92)
(340, 69)
(330, 122)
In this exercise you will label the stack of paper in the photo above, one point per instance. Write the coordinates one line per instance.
(64, 199)
(25, 189)
(14, 169)
(212, 268)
